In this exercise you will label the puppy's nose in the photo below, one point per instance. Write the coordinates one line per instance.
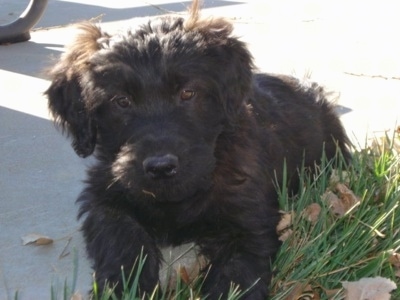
(160, 167)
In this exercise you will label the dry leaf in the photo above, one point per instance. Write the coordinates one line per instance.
(331, 293)
(295, 292)
(285, 235)
(77, 296)
(334, 203)
(347, 196)
(312, 212)
(341, 201)
(285, 222)
(394, 260)
(309, 293)
(342, 189)
(283, 227)
(37, 239)
(377, 288)
(302, 291)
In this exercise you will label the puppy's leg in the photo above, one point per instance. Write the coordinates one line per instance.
(114, 240)
(238, 271)
(243, 260)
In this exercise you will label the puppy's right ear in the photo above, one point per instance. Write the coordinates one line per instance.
(65, 99)
(69, 112)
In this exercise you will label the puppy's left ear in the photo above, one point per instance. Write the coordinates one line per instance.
(65, 99)
(237, 63)
(232, 61)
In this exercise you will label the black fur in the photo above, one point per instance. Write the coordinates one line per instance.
(188, 142)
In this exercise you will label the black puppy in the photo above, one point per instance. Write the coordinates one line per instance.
(188, 142)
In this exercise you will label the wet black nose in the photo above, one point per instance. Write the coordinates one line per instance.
(159, 167)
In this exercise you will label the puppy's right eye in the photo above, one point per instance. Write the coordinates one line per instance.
(121, 101)
(187, 95)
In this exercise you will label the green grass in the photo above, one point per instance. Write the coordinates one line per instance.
(181, 290)
(319, 255)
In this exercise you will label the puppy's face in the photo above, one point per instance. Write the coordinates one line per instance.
(153, 102)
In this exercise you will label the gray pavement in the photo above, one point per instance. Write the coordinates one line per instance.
(351, 47)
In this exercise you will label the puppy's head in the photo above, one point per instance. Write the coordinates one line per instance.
(154, 101)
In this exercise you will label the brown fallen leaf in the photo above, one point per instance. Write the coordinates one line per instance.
(336, 206)
(341, 200)
(342, 189)
(77, 296)
(331, 293)
(377, 288)
(397, 273)
(347, 197)
(295, 292)
(302, 291)
(309, 293)
(284, 226)
(285, 222)
(312, 212)
(285, 235)
(394, 260)
(37, 239)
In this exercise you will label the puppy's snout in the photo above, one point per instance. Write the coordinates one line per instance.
(161, 167)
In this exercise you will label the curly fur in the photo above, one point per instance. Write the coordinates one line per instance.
(188, 141)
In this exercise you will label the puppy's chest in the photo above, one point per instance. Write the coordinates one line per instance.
(173, 225)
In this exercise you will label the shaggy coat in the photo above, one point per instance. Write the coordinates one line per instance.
(189, 142)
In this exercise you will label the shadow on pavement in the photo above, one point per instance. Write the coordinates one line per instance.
(40, 180)
(63, 12)
(29, 58)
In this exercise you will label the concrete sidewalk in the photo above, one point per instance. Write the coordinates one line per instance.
(350, 47)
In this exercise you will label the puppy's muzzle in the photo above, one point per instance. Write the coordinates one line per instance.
(161, 167)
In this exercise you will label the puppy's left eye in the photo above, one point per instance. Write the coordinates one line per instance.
(187, 95)
(121, 101)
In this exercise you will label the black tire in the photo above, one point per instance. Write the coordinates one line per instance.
(18, 30)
